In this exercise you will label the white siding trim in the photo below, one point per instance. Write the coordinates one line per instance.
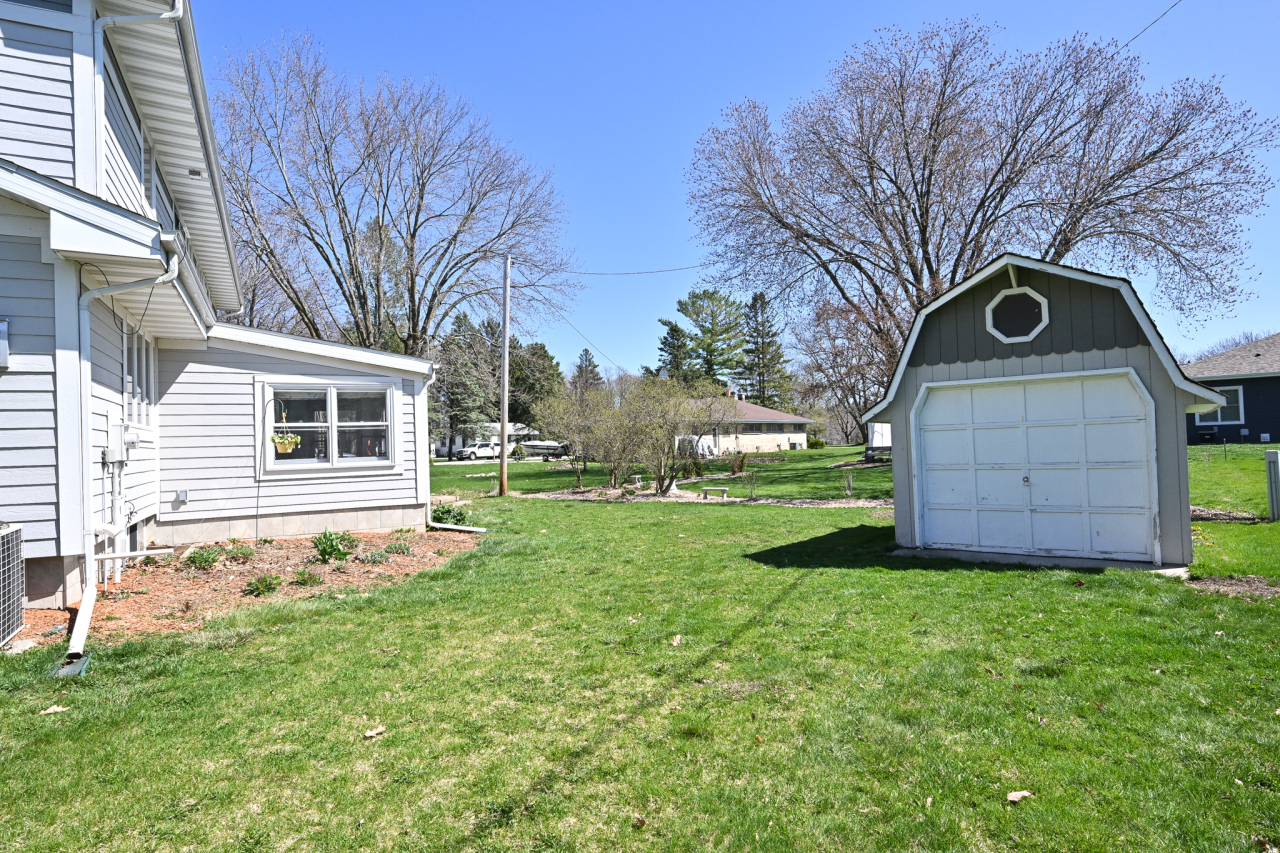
(421, 442)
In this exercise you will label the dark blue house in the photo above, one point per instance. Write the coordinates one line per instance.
(1249, 377)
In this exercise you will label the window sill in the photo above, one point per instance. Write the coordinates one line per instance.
(303, 471)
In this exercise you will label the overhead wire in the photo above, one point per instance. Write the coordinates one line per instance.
(1144, 29)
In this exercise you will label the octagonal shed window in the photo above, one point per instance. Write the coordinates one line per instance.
(1017, 315)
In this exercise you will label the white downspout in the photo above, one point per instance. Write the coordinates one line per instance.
(431, 524)
(99, 93)
(90, 575)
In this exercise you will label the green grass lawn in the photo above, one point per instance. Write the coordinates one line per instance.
(822, 696)
(800, 474)
(1229, 476)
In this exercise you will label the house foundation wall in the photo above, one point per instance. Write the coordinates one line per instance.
(169, 534)
(52, 582)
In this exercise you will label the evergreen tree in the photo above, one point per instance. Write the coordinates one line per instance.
(675, 353)
(717, 333)
(467, 377)
(535, 376)
(762, 373)
(586, 375)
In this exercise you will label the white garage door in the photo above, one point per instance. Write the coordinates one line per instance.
(1059, 466)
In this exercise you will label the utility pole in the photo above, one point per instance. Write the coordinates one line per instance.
(506, 376)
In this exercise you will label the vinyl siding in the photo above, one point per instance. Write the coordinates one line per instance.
(28, 437)
(51, 5)
(1171, 440)
(1261, 398)
(122, 145)
(207, 420)
(36, 109)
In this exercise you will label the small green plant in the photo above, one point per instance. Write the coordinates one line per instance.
(329, 546)
(348, 540)
(407, 532)
(398, 548)
(449, 514)
(307, 577)
(240, 553)
(162, 560)
(518, 453)
(816, 444)
(749, 480)
(739, 464)
(204, 558)
(373, 558)
(263, 585)
(233, 540)
(266, 540)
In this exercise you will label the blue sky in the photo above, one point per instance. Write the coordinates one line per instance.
(613, 96)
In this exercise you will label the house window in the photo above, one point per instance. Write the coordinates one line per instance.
(775, 427)
(750, 428)
(138, 377)
(1230, 413)
(797, 427)
(315, 425)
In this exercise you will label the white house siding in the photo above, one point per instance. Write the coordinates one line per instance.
(122, 146)
(36, 115)
(28, 437)
(1171, 439)
(207, 420)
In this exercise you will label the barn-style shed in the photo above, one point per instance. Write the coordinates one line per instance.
(1036, 411)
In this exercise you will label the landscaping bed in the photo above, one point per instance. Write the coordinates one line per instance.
(694, 494)
(175, 595)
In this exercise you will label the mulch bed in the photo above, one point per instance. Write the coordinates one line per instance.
(1200, 513)
(677, 495)
(1244, 586)
(175, 597)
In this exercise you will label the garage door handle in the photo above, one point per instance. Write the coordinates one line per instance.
(1026, 481)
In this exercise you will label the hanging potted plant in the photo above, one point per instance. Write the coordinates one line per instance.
(287, 441)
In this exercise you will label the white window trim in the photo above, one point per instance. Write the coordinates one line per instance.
(265, 387)
(1009, 291)
(1239, 389)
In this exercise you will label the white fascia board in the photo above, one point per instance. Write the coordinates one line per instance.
(303, 347)
(33, 190)
(1221, 377)
(74, 238)
(1011, 260)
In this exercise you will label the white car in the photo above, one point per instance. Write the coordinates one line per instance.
(480, 450)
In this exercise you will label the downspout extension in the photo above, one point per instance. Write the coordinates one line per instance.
(81, 630)
(431, 379)
(99, 60)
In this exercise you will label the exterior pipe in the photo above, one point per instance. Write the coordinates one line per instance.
(99, 89)
(90, 580)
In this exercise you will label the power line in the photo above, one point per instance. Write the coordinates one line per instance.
(1144, 29)
(651, 272)
(584, 337)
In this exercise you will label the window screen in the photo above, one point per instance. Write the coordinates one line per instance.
(304, 414)
(362, 424)
(1232, 412)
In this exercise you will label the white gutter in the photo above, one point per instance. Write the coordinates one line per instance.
(81, 631)
(99, 60)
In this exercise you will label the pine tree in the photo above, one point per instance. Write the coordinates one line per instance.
(717, 332)
(675, 353)
(535, 376)
(467, 376)
(586, 375)
(762, 372)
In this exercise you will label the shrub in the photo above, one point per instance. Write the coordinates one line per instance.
(240, 553)
(263, 585)
(306, 577)
(329, 546)
(204, 558)
(398, 548)
(691, 468)
(749, 480)
(348, 540)
(739, 464)
(518, 452)
(449, 514)
(373, 558)
(816, 444)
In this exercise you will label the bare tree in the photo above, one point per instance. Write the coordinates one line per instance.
(1230, 342)
(671, 419)
(378, 211)
(926, 155)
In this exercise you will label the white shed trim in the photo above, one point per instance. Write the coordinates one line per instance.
(1211, 399)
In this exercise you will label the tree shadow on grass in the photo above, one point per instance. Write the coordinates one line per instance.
(867, 546)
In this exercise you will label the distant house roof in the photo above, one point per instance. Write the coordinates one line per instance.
(751, 413)
(1259, 357)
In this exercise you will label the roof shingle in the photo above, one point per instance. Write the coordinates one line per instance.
(1262, 356)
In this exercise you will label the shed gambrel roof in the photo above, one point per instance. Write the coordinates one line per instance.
(1260, 358)
(1209, 398)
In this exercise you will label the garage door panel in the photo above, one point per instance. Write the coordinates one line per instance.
(1119, 533)
(997, 404)
(1000, 487)
(946, 406)
(1057, 531)
(1112, 397)
(946, 446)
(1055, 486)
(1051, 445)
(997, 446)
(1002, 529)
(949, 526)
(1053, 401)
(1119, 442)
(1115, 487)
(949, 486)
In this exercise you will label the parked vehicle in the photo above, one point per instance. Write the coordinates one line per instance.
(480, 450)
(548, 450)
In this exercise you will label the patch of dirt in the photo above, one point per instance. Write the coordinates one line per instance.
(1200, 513)
(680, 496)
(1245, 586)
(860, 465)
(176, 597)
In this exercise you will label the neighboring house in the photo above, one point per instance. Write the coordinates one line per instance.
(1037, 412)
(128, 414)
(1249, 378)
(485, 432)
(755, 429)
